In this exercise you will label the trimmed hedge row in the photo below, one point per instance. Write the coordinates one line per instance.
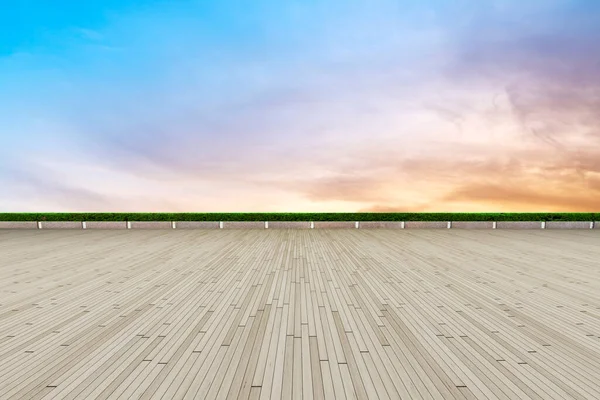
(300, 216)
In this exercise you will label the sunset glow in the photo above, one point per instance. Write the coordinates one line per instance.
(342, 105)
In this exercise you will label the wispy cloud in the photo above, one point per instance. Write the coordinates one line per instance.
(54, 190)
(294, 106)
(548, 70)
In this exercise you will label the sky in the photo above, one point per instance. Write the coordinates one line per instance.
(300, 106)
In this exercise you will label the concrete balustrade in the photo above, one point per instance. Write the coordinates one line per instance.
(567, 225)
(18, 225)
(105, 225)
(60, 225)
(472, 225)
(289, 224)
(519, 225)
(151, 225)
(299, 225)
(335, 224)
(381, 225)
(243, 225)
(426, 225)
(196, 224)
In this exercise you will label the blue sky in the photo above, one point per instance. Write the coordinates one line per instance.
(300, 106)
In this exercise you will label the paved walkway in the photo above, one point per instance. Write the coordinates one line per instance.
(324, 314)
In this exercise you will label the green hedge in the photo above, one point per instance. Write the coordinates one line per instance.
(299, 216)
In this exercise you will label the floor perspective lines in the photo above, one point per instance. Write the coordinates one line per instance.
(302, 314)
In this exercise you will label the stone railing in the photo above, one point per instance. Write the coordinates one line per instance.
(300, 225)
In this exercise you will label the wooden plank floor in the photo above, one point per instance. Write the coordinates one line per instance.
(290, 314)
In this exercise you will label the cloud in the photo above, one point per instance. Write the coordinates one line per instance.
(515, 197)
(497, 180)
(397, 208)
(352, 188)
(53, 190)
(89, 34)
(450, 113)
(549, 71)
(432, 107)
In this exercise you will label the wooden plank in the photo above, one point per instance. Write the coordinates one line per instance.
(314, 313)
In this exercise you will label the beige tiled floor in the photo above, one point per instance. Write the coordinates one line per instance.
(431, 314)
